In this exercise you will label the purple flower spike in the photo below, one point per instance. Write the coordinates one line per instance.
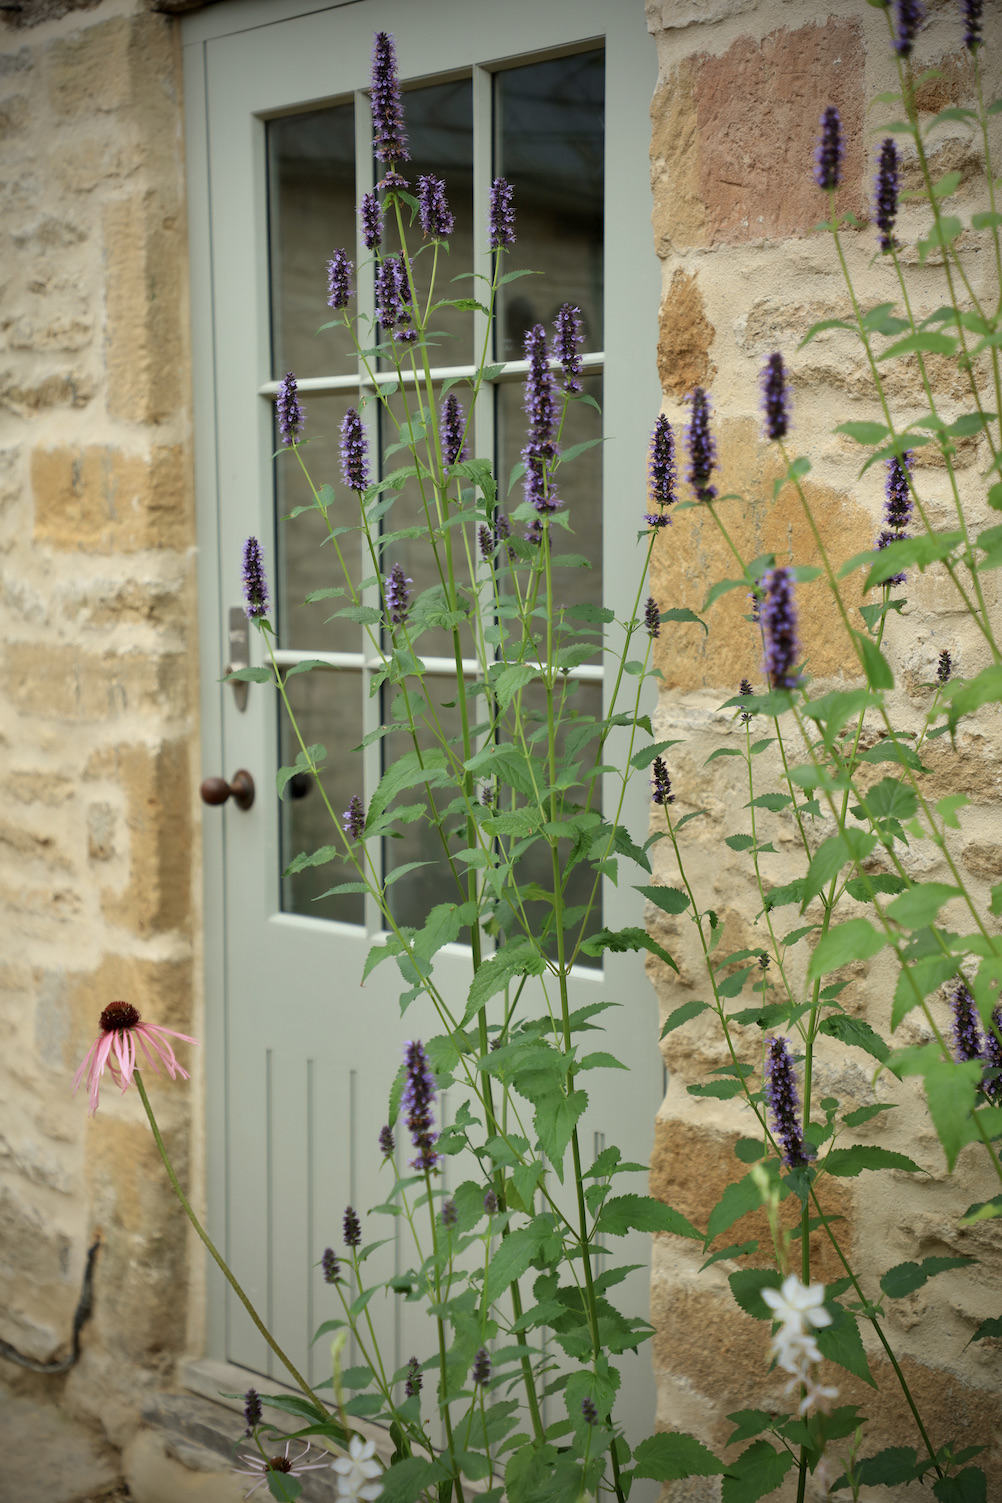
(911, 14)
(779, 623)
(391, 289)
(885, 199)
(450, 1215)
(288, 411)
(569, 335)
(828, 156)
(971, 12)
(966, 1033)
(588, 1411)
(331, 1265)
(652, 617)
(387, 1142)
(992, 1085)
(502, 215)
(352, 1227)
(784, 1104)
(702, 449)
(397, 595)
(775, 399)
(371, 216)
(437, 219)
(944, 668)
(339, 274)
(481, 1370)
(490, 1203)
(452, 427)
(389, 139)
(661, 473)
(745, 689)
(353, 818)
(661, 784)
(419, 1093)
(354, 452)
(540, 405)
(253, 1413)
(412, 1387)
(897, 506)
(255, 581)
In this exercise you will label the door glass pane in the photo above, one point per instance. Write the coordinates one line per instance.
(311, 202)
(440, 133)
(308, 556)
(579, 485)
(551, 148)
(328, 709)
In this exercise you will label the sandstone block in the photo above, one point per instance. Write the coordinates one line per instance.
(50, 1458)
(64, 683)
(23, 396)
(143, 248)
(15, 113)
(88, 72)
(157, 896)
(684, 338)
(679, 216)
(102, 500)
(691, 555)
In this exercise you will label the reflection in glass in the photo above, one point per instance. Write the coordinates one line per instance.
(551, 147)
(579, 485)
(411, 508)
(579, 702)
(311, 198)
(307, 557)
(440, 130)
(328, 709)
(414, 895)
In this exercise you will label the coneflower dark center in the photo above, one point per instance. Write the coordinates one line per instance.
(119, 1015)
(280, 1464)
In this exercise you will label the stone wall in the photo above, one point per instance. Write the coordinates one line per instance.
(742, 85)
(98, 853)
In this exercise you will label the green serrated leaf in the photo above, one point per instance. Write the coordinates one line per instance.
(757, 1471)
(905, 1278)
(672, 1455)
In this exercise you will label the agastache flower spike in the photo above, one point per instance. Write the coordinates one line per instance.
(387, 1142)
(501, 221)
(828, 155)
(255, 581)
(412, 1386)
(397, 595)
(885, 202)
(568, 336)
(371, 216)
(437, 219)
(540, 405)
(966, 1033)
(971, 12)
(450, 1215)
(389, 139)
(339, 273)
(353, 818)
(702, 450)
(490, 1202)
(652, 617)
(661, 784)
(390, 291)
(779, 623)
(419, 1093)
(354, 452)
(352, 1227)
(330, 1263)
(481, 1369)
(288, 411)
(992, 1085)
(661, 473)
(911, 14)
(944, 668)
(253, 1412)
(775, 399)
(898, 505)
(745, 688)
(781, 1094)
(452, 427)
(588, 1411)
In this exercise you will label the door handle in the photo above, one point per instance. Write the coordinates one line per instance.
(240, 790)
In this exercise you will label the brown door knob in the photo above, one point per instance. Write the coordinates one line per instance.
(240, 790)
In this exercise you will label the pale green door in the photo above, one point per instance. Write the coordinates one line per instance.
(299, 1057)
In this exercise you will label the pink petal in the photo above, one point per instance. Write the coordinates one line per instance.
(78, 1077)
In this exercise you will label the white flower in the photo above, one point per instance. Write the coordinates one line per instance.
(356, 1470)
(798, 1305)
(260, 1466)
(794, 1350)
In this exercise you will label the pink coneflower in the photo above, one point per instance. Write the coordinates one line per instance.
(115, 1046)
(260, 1466)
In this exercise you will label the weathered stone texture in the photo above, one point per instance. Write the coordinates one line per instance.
(96, 694)
(685, 337)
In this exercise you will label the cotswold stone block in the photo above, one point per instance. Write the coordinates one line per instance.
(684, 337)
(63, 683)
(143, 248)
(88, 72)
(102, 500)
(679, 215)
(24, 396)
(157, 895)
(691, 555)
